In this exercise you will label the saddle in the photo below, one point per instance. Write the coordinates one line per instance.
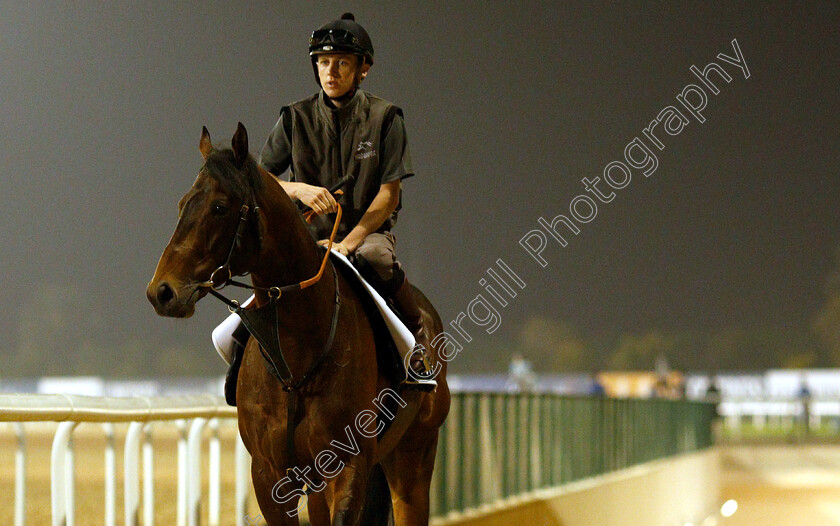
(390, 333)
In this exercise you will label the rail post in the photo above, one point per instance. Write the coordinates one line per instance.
(132, 476)
(110, 476)
(20, 474)
(60, 478)
(194, 471)
(214, 488)
(148, 477)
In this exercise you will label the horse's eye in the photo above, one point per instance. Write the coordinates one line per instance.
(219, 210)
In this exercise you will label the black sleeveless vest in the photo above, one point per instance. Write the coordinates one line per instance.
(329, 143)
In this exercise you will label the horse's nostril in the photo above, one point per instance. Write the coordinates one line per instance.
(165, 294)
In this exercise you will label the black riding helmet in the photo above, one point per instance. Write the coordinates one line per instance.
(344, 35)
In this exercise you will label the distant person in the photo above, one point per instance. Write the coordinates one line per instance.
(521, 376)
(804, 396)
(660, 388)
(596, 388)
(713, 397)
(713, 392)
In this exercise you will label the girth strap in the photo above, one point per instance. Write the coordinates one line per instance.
(291, 413)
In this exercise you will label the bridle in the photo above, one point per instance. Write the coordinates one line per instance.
(273, 292)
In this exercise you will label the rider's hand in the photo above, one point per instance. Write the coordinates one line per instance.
(317, 198)
(338, 247)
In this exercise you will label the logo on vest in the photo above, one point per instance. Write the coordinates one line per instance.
(365, 150)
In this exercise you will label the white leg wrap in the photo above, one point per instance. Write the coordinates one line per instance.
(223, 335)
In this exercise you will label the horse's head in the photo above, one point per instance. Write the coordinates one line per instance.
(218, 231)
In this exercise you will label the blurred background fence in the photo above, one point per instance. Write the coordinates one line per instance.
(499, 445)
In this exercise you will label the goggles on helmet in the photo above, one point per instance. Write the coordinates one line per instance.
(324, 39)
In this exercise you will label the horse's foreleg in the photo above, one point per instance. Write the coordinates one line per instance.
(409, 472)
(278, 500)
(346, 494)
(319, 512)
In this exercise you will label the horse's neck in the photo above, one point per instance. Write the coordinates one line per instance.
(289, 255)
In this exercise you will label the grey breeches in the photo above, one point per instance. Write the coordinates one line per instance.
(377, 262)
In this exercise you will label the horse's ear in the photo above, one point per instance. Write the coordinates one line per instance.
(205, 146)
(240, 145)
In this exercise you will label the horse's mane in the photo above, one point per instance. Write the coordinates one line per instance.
(243, 183)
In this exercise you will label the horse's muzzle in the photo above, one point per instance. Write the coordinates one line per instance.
(172, 301)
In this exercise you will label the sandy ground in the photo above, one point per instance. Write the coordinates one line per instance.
(782, 485)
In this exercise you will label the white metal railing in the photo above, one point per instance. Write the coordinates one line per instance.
(781, 412)
(191, 414)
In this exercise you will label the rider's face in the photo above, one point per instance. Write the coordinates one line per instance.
(337, 72)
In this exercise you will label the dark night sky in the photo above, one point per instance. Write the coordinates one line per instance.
(508, 106)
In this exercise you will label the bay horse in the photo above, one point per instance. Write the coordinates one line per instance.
(237, 218)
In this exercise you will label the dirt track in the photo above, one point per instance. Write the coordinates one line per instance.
(782, 485)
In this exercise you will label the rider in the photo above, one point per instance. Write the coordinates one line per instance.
(340, 131)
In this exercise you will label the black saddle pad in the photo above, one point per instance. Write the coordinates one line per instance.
(387, 356)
